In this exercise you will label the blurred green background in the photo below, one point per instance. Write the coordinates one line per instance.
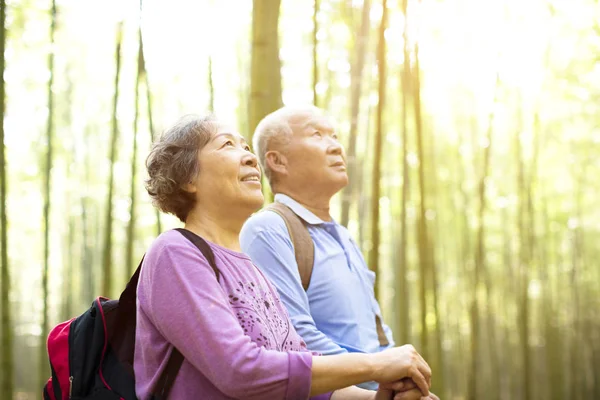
(472, 129)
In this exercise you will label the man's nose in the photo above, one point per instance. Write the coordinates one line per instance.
(335, 147)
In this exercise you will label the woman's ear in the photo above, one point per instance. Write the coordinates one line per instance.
(276, 161)
(189, 187)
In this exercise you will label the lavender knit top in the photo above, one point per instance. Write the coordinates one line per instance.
(235, 334)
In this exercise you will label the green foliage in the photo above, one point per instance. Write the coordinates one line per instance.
(540, 231)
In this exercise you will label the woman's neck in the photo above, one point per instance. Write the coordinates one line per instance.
(222, 231)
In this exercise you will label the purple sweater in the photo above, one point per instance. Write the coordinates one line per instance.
(235, 334)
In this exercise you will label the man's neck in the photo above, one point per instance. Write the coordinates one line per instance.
(317, 204)
(223, 231)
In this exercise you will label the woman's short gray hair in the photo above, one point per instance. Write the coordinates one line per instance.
(173, 162)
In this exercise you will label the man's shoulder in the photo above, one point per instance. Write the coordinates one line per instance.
(264, 221)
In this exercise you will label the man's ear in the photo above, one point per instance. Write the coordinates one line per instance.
(276, 161)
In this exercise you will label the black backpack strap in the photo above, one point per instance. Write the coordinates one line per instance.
(167, 378)
(203, 247)
(127, 304)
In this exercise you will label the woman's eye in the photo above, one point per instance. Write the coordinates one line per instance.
(335, 136)
(317, 134)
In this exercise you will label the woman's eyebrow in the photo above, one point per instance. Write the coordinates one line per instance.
(232, 136)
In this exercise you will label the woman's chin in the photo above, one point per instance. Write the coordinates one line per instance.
(254, 201)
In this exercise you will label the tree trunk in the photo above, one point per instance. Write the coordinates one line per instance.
(150, 119)
(363, 200)
(86, 279)
(242, 93)
(68, 297)
(422, 235)
(87, 275)
(211, 86)
(577, 356)
(403, 320)
(128, 269)
(480, 269)
(356, 73)
(437, 363)
(69, 272)
(43, 365)
(315, 43)
(524, 261)
(265, 68)
(108, 220)
(377, 152)
(6, 333)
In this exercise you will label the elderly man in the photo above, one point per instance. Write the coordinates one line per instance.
(333, 308)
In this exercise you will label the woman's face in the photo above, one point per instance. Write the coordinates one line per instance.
(229, 178)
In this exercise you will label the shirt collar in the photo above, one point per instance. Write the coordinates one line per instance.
(297, 208)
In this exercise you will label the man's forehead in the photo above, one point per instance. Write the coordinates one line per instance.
(312, 120)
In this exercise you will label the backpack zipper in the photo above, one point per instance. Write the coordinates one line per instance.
(70, 386)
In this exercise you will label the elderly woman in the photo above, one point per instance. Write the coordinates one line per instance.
(233, 332)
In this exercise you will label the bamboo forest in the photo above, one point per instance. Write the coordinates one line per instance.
(472, 136)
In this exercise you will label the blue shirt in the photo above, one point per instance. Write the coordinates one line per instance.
(337, 312)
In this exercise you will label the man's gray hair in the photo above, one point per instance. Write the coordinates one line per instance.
(275, 128)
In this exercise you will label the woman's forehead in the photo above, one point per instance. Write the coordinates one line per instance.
(225, 129)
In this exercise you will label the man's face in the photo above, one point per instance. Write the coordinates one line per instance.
(314, 154)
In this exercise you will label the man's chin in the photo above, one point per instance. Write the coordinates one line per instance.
(342, 182)
(337, 184)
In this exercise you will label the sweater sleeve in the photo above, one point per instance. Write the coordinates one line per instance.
(180, 294)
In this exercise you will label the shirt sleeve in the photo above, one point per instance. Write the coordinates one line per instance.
(266, 240)
(183, 299)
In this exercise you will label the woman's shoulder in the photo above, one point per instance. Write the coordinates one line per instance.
(169, 244)
(168, 240)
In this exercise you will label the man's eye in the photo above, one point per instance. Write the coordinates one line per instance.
(228, 143)
(335, 136)
(317, 133)
(247, 148)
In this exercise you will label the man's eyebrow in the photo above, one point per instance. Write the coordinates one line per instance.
(319, 126)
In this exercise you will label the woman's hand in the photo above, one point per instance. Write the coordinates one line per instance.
(402, 362)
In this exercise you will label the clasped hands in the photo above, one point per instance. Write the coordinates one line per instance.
(406, 363)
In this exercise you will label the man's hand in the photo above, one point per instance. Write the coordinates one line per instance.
(405, 389)
(384, 394)
(403, 385)
(412, 394)
(388, 390)
(402, 362)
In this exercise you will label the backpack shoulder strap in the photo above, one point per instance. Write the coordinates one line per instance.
(167, 378)
(304, 247)
(203, 247)
(127, 308)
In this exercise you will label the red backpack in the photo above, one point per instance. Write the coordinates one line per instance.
(91, 356)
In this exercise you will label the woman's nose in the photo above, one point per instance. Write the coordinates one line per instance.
(250, 159)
